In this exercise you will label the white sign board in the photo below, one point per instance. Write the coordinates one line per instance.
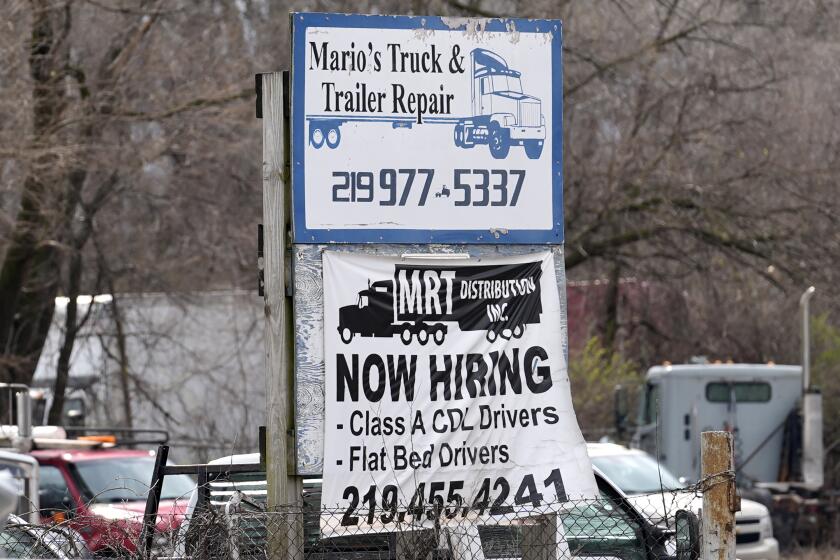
(418, 130)
(446, 385)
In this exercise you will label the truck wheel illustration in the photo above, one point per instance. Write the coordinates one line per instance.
(533, 148)
(345, 334)
(422, 335)
(438, 334)
(405, 334)
(459, 136)
(491, 335)
(518, 331)
(499, 141)
(333, 137)
(316, 136)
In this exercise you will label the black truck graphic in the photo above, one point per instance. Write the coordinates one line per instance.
(425, 301)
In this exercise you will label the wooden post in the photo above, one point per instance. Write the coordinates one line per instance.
(543, 538)
(720, 502)
(284, 488)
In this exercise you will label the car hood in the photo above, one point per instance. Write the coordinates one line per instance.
(751, 509)
(656, 507)
(170, 513)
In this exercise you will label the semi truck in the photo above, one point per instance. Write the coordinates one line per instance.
(426, 301)
(502, 115)
(775, 416)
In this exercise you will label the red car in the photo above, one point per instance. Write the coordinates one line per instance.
(102, 495)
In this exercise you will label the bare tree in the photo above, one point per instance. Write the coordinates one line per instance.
(82, 98)
(700, 157)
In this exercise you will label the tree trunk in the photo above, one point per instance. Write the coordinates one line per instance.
(612, 303)
(71, 329)
(30, 271)
(123, 357)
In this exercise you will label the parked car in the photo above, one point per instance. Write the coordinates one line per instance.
(639, 476)
(20, 539)
(101, 493)
(23, 470)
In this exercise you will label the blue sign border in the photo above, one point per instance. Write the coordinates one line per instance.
(302, 234)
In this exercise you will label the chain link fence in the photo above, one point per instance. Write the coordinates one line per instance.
(235, 524)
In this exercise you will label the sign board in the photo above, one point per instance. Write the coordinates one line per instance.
(426, 129)
(446, 383)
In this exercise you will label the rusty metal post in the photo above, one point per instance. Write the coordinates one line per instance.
(720, 499)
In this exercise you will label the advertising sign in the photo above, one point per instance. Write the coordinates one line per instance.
(446, 387)
(426, 129)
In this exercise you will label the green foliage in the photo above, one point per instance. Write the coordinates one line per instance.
(825, 366)
(825, 351)
(594, 373)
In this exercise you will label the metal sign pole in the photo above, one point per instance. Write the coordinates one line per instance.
(283, 486)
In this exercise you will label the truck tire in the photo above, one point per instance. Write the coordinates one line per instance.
(316, 136)
(439, 334)
(491, 335)
(345, 334)
(499, 141)
(458, 136)
(533, 148)
(423, 335)
(518, 331)
(333, 137)
(405, 335)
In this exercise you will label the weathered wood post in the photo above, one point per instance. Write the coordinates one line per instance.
(720, 501)
(284, 487)
(544, 539)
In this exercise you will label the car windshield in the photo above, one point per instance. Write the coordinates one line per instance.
(636, 473)
(127, 479)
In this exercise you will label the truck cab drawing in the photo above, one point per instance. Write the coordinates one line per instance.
(373, 315)
(423, 301)
(502, 115)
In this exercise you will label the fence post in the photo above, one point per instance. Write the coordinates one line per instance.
(544, 538)
(147, 533)
(283, 486)
(720, 501)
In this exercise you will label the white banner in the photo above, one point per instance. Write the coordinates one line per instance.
(447, 393)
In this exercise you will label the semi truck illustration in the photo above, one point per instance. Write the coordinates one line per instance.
(502, 114)
(426, 301)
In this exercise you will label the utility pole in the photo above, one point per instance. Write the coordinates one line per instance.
(284, 488)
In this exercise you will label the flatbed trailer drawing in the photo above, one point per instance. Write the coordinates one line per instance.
(502, 115)
(426, 301)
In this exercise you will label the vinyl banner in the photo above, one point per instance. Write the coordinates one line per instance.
(447, 393)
